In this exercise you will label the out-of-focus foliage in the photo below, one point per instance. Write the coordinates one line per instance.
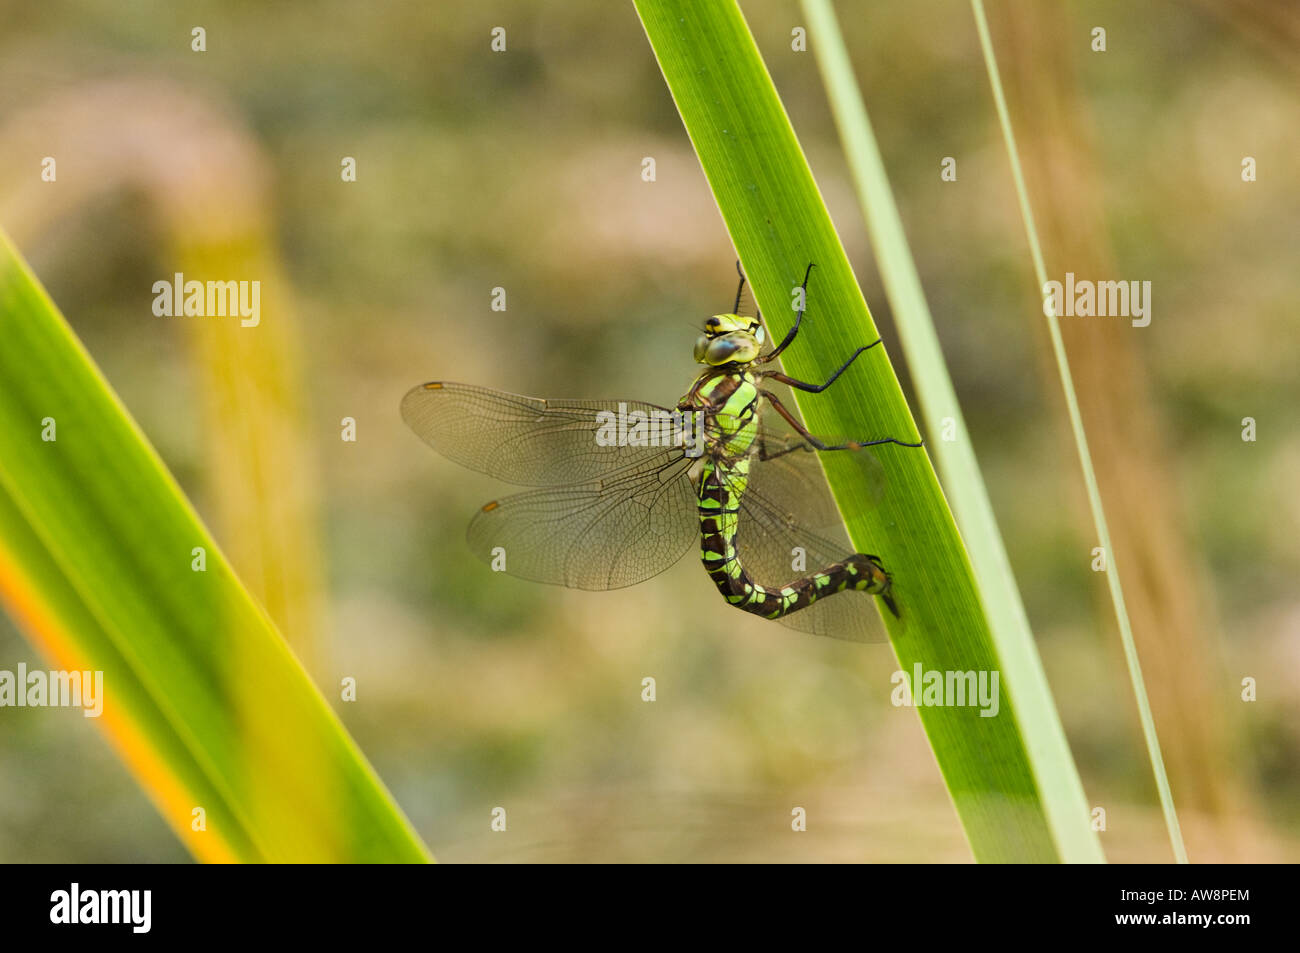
(110, 572)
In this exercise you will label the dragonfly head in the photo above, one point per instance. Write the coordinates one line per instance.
(729, 338)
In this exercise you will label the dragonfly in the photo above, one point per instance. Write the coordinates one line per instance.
(622, 489)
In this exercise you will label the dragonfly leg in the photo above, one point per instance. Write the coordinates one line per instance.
(735, 308)
(764, 454)
(781, 409)
(818, 388)
(785, 343)
(692, 399)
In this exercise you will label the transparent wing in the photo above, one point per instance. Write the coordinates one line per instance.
(790, 526)
(601, 535)
(529, 441)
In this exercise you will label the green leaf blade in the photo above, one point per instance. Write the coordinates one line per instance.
(1050, 759)
(778, 222)
(203, 699)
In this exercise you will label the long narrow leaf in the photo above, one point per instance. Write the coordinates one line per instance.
(107, 568)
(778, 222)
(1081, 445)
(1053, 766)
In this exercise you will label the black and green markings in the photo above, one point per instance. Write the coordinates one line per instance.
(623, 488)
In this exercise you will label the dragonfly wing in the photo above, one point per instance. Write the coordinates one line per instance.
(790, 526)
(601, 535)
(529, 441)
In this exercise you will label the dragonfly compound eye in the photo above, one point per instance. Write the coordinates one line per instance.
(737, 346)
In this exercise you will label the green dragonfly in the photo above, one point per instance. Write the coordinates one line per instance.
(623, 488)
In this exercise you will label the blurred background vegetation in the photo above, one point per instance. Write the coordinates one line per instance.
(522, 170)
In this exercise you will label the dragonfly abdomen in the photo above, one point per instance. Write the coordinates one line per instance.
(719, 517)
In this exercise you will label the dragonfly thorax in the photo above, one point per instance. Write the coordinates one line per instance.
(729, 338)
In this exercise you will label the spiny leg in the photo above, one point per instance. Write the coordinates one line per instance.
(818, 388)
(790, 335)
(765, 454)
(781, 409)
(789, 338)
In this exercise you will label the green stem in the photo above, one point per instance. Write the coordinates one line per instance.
(1081, 443)
(1053, 766)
